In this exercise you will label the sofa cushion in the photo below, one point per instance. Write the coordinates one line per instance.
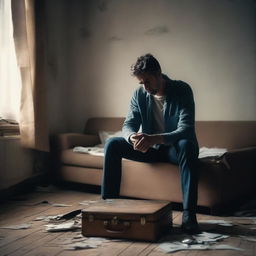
(79, 159)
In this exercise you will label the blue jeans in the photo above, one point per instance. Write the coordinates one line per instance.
(183, 153)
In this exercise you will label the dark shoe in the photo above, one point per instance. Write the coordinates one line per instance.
(189, 223)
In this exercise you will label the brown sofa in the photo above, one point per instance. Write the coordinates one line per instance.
(222, 181)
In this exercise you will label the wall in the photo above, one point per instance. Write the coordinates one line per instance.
(57, 63)
(209, 44)
(16, 163)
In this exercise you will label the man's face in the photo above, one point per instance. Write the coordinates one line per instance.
(151, 83)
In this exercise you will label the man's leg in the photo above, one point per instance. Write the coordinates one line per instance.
(116, 149)
(185, 154)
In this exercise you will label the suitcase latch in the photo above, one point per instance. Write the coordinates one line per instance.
(114, 221)
(142, 220)
(90, 218)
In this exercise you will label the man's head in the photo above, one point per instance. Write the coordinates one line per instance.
(148, 71)
(146, 64)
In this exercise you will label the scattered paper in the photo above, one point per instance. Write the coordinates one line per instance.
(249, 238)
(62, 205)
(16, 227)
(202, 241)
(79, 236)
(88, 202)
(63, 226)
(85, 243)
(97, 151)
(218, 222)
(79, 246)
(179, 246)
(210, 152)
(206, 237)
(84, 203)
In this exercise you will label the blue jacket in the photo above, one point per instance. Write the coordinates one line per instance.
(179, 113)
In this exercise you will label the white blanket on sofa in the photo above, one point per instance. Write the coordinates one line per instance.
(96, 151)
(211, 152)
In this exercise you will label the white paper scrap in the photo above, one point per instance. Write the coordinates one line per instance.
(218, 222)
(206, 237)
(178, 246)
(249, 238)
(85, 244)
(16, 227)
(61, 205)
(211, 152)
(97, 151)
(61, 227)
(88, 202)
(79, 246)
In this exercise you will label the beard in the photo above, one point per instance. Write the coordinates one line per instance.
(152, 91)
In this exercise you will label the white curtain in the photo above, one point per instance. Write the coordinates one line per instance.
(10, 79)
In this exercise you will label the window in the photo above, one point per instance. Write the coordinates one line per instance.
(10, 79)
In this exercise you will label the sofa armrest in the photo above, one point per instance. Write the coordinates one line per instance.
(70, 140)
(236, 158)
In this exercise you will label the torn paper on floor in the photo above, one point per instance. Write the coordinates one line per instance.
(179, 246)
(16, 227)
(72, 225)
(79, 246)
(206, 237)
(202, 241)
(61, 205)
(225, 223)
(86, 243)
(249, 238)
(88, 202)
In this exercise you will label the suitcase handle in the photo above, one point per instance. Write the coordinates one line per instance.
(109, 227)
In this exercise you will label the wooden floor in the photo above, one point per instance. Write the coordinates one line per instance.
(36, 241)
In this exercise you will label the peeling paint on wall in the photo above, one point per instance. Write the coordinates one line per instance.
(159, 30)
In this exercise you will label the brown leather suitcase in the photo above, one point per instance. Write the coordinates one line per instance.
(130, 219)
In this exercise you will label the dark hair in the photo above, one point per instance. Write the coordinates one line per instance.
(146, 63)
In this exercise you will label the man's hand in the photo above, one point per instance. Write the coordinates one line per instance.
(142, 142)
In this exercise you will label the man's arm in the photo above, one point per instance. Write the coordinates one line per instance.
(142, 142)
(133, 119)
(185, 125)
(186, 122)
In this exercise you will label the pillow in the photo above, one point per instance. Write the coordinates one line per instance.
(105, 135)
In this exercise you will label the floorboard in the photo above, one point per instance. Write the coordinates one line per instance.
(37, 241)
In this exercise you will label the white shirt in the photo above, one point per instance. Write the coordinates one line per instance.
(158, 113)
